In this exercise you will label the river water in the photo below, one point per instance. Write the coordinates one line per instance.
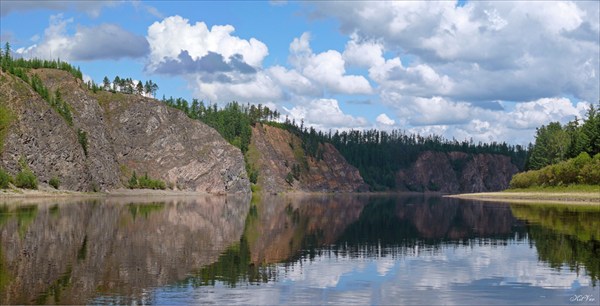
(343, 249)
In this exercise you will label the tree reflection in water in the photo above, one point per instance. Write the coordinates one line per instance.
(73, 252)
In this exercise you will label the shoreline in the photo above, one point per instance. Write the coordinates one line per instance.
(567, 198)
(55, 194)
(44, 192)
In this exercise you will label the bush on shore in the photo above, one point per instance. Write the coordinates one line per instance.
(5, 179)
(26, 180)
(54, 182)
(144, 182)
(582, 169)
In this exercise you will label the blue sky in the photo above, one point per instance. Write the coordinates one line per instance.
(491, 71)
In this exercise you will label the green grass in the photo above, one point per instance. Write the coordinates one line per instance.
(559, 189)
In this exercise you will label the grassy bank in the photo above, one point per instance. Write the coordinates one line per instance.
(574, 194)
(558, 189)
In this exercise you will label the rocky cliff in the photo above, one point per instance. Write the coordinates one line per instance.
(456, 172)
(276, 152)
(125, 133)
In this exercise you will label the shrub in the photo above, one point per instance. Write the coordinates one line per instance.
(546, 176)
(565, 173)
(82, 138)
(26, 179)
(289, 178)
(590, 173)
(524, 179)
(5, 179)
(54, 182)
(148, 183)
(133, 181)
(145, 182)
(252, 173)
(579, 170)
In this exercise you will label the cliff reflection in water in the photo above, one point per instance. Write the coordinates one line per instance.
(120, 252)
(285, 229)
(68, 253)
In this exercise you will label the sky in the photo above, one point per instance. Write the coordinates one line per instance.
(487, 71)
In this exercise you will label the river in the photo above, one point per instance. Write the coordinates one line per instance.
(327, 249)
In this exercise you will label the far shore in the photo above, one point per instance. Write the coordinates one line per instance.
(572, 198)
(16, 193)
(53, 193)
(567, 197)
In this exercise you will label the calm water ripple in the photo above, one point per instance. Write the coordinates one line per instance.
(344, 249)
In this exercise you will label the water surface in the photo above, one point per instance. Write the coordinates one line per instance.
(344, 249)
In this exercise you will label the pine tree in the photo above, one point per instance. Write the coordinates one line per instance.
(106, 83)
(148, 87)
(140, 88)
(116, 83)
(154, 89)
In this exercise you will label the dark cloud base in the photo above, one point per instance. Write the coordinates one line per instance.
(211, 67)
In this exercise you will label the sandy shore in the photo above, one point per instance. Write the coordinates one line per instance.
(53, 193)
(581, 198)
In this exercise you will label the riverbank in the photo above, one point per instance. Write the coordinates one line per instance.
(556, 196)
(553, 197)
(53, 193)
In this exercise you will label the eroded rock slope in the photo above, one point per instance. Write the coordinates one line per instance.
(275, 152)
(455, 172)
(125, 133)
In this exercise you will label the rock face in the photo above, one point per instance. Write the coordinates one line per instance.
(150, 137)
(456, 172)
(39, 135)
(275, 152)
(125, 133)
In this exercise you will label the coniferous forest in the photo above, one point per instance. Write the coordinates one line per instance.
(378, 155)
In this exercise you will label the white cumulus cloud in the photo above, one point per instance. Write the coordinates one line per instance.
(326, 68)
(384, 119)
(325, 114)
(515, 51)
(363, 54)
(169, 37)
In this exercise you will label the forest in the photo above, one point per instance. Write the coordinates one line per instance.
(555, 142)
(378, 155)
(564, 154)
